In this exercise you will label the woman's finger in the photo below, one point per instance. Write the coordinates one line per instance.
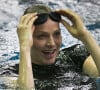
(31, 20)
(69, 14)
(67, 25)
(22, 19)
(26, 18)
(30, 23)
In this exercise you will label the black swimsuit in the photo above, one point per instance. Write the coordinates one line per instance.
(65, 73)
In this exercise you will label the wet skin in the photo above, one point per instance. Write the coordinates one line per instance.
(46, 43)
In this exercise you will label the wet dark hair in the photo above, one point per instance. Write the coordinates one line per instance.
(43, 13)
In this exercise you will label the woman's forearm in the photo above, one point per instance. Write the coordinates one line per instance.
(25, 78)
(93, 48)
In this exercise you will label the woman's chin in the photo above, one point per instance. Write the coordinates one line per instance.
(49, 62)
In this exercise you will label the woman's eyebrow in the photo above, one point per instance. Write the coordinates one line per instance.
(57, 29)
(42, 31)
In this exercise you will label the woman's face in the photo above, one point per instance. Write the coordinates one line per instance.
(46, 43)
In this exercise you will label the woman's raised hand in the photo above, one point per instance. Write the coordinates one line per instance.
(77, 29)
(25, 30)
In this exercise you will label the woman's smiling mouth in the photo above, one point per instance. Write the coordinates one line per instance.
(49, 53)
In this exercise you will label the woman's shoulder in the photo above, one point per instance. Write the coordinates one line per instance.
(77, 49)
(76, 54)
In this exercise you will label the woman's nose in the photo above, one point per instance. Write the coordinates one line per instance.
(51, 41)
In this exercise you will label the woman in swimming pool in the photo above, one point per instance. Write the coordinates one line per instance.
(40, 40)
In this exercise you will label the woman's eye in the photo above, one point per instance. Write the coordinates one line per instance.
(57, 34)
(41, 36)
